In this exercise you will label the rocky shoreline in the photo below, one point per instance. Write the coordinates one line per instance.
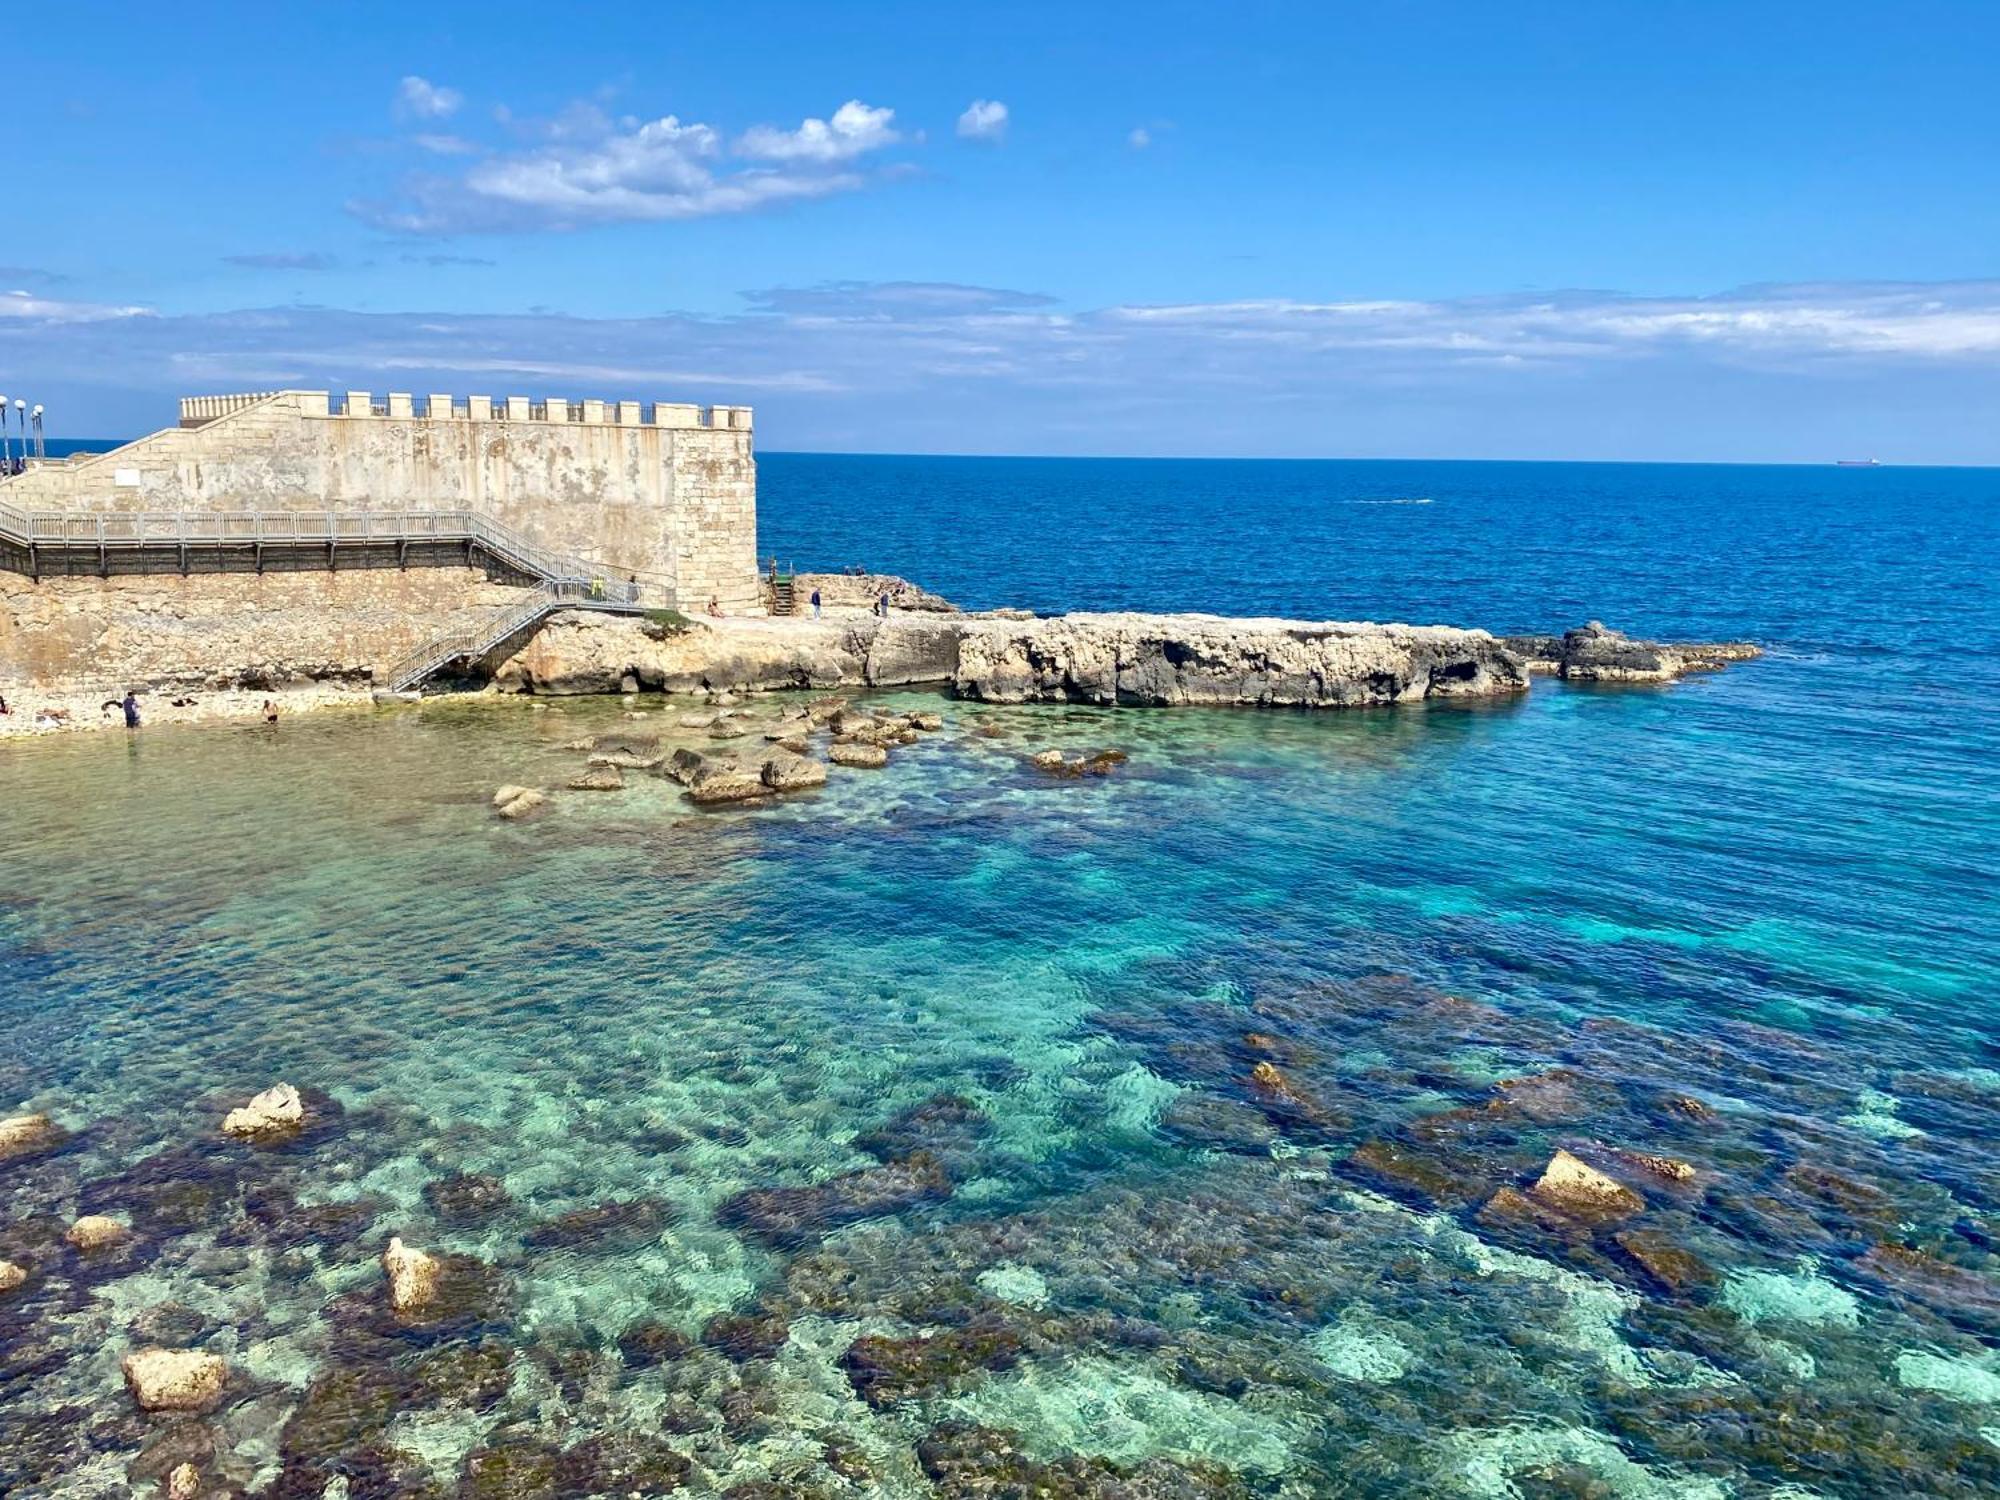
(1002, 657)
(1125, 659)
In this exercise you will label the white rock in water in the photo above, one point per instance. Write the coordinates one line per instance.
(508, 793)
(11, 1275)
(277, 1109)
(97, 1232)
(184, 1483)
(175, 1379)
(27, 1133)
(413, 1276)
(1578, 1187)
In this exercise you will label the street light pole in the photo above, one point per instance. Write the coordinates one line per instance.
(21, 412)
(6, 443)
(41, 448)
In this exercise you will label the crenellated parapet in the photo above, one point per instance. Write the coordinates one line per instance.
(199, 411)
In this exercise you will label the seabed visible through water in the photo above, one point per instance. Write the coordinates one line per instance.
(1172, 1130)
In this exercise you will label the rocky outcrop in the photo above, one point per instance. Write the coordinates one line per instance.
(97, 1232)
(272, 1115)
(858, 754)
(516, 802)
(1592, 653)
(1140, 659)
(1206, 660)
(12, 1276)
(861, 591)
(175, 1379)
(1578, 1189)
(29, 1135)
(413, 1277)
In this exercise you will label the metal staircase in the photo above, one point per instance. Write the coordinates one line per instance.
(197, 540)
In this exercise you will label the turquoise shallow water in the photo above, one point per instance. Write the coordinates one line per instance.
(1178, 1122)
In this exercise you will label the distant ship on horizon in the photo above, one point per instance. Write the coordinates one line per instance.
(1857, 463)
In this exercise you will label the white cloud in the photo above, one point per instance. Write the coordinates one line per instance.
(29, 308)
(586, 168)
(444, 145)
(1140, 138)
(983, 120)
(942, 365)
(420, 99)
(854, 130)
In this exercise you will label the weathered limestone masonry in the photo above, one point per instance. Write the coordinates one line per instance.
(212, 630)
(664, 491)
(672, 498)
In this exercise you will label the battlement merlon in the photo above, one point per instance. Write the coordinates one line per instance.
(199, 411)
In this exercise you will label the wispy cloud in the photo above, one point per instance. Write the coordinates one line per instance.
(282, 260)
(983, 120)
(435, 259)
(1139, 138)
(943, 365)
(583, 168)
(420, 99)
(30, 310)
(20, 275)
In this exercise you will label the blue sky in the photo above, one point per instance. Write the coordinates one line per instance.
(1746, 231)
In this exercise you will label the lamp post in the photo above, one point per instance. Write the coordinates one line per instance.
(41, 448)
(6, 443)
(21, 414)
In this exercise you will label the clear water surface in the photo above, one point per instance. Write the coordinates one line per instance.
(1220, 1080)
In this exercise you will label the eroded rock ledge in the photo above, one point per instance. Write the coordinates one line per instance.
(1139, 659)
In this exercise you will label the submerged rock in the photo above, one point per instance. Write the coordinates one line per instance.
(966, 1462)
(277, 1112)
(644, 1345)
(788, 1217)
(885, 1370)
(466, 1197)
(620, 1463)
(1671, 1265)
(746, 1336)
(29, 1135)
(175, 1379)
(97, 1232)
(599, 779)
(513, 1466)
(622, 1224)
(947, 1127)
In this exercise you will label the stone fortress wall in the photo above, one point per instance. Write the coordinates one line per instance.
(663, 491)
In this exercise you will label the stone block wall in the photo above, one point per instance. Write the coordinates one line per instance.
(668, 493)
(225, 629)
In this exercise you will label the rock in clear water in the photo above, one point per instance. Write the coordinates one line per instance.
(97, 1232)
(1577, 1188)
(278, 1111)
(29, 1135)
(175, 1379)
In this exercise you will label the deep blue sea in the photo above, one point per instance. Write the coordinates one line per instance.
(956, 1131)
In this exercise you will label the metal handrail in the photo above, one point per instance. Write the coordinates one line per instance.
(563, 581)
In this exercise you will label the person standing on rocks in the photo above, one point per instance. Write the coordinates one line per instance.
(815, 605)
